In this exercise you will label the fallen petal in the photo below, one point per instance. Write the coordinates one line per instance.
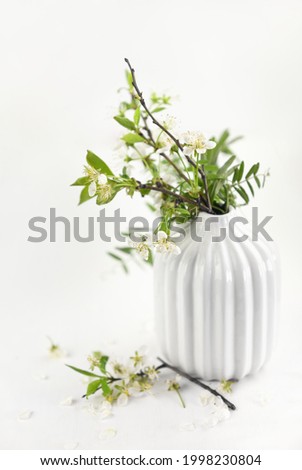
(71, 445)
(25, 415)
(109, 433)
(67, 402)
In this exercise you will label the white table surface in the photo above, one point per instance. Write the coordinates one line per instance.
(268, 414)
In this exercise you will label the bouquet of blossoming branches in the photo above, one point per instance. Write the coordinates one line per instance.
(185, 173)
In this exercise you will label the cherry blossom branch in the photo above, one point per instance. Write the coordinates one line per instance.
(175, 140)
(163, 190)
(164, 155)
(197, 382)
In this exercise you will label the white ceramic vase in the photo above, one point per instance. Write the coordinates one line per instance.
(216, 303)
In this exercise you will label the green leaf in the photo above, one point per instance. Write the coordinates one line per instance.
(137, 115)
(84, 196)
(81, 181)
(151, 207)
(240, 171)
(118, 258)
(129, 78)
(103, 363)
(257, 181)
(93, 387)
(214, 190)
(132, 138)
(81, 371)
(235, 176)
(225, 167)
(251, 188)
(125, 122)
(150, 258)
(98, 164)
(210, 167)
(127, 250)
(114, 256)
(158, 110)
(240, 190)
(252, 171)
(235, 139)
(213, 154)
(105, 387)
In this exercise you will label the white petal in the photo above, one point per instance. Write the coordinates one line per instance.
(219, 402)
(223, 413)
(188, 150)
(144, 149)
(210, 144)
(135, 391)
(105, 413)
(122, 400)
(71, 445)
(92, 189)
(67, 401)
(175, 250)
(207, 399)
(25, 415)
(106, 405)
(211, 421)
(132, 244)
(109, 433)
(178, 378)
(201, 151)
(105, 409)
(162, 235)
(40, 377)
(102, 179)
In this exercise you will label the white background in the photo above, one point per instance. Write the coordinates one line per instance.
(235, 64)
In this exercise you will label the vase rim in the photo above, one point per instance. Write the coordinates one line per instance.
(231, 212)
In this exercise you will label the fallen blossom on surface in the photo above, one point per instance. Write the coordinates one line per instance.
(70, 445)
(107, 434)
(67, 401)
(25, 415)
(188, 427)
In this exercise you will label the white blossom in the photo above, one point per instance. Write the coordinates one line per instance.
(40, 377)
(97, 184)
(175, 383)
(135, 390)
(25, 415)
(163, 245)
(109, 433)
(70, 445)
(67, 401)
(216, 408)
(142, 247)
(105, 409)
(92, 189)
(169, 122)
(55, 351)
(196, 142)
(122, 399)
(188, 427)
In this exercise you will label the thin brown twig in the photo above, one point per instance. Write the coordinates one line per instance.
(171, 193)
(175, 167)
(164, 155)
(205, 183)
(198, 382)
(174, 139)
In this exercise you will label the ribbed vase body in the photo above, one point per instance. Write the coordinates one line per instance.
(216, 303)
